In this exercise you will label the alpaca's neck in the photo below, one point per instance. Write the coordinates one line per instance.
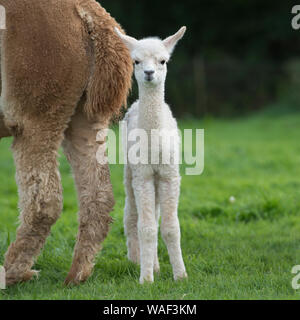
(151, 106)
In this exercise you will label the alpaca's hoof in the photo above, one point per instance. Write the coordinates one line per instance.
(12, 279)
(78, 275)
(146, 279)
(75, 278)
(180, 276)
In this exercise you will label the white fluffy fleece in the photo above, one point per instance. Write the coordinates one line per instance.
(152, 189)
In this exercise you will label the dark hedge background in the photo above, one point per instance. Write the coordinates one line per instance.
(237, 55)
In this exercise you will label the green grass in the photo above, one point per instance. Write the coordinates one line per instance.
(241, 250)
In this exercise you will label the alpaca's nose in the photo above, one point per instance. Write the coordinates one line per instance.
(149, 72)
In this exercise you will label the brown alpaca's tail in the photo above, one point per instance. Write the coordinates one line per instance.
(110, 79)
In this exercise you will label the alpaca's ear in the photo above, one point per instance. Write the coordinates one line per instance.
(171, 41)
(130, 42)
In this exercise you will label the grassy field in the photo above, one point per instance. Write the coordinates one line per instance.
(240, 250)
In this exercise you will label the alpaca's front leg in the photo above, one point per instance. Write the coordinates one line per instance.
(157, 216)
(170, 229)
(147, 227)
(131, 218)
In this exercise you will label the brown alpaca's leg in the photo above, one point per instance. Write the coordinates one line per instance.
(4, 132)
(40, 192)
(94, 192)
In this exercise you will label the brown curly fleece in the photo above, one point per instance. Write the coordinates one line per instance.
(65, 73)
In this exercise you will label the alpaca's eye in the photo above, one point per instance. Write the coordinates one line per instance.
(163, 62)
(136, 62)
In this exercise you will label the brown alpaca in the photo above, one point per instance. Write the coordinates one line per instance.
(64, 74)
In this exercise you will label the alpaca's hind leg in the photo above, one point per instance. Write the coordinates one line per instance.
(40, 192)
(4, 132)
(94, 191)
(170, 229)
(131, 219)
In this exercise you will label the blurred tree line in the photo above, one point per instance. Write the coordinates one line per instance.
(237, 55)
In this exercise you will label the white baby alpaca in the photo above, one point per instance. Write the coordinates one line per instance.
(152, 188)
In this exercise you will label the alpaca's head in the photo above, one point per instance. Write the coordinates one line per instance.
(150, 56)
